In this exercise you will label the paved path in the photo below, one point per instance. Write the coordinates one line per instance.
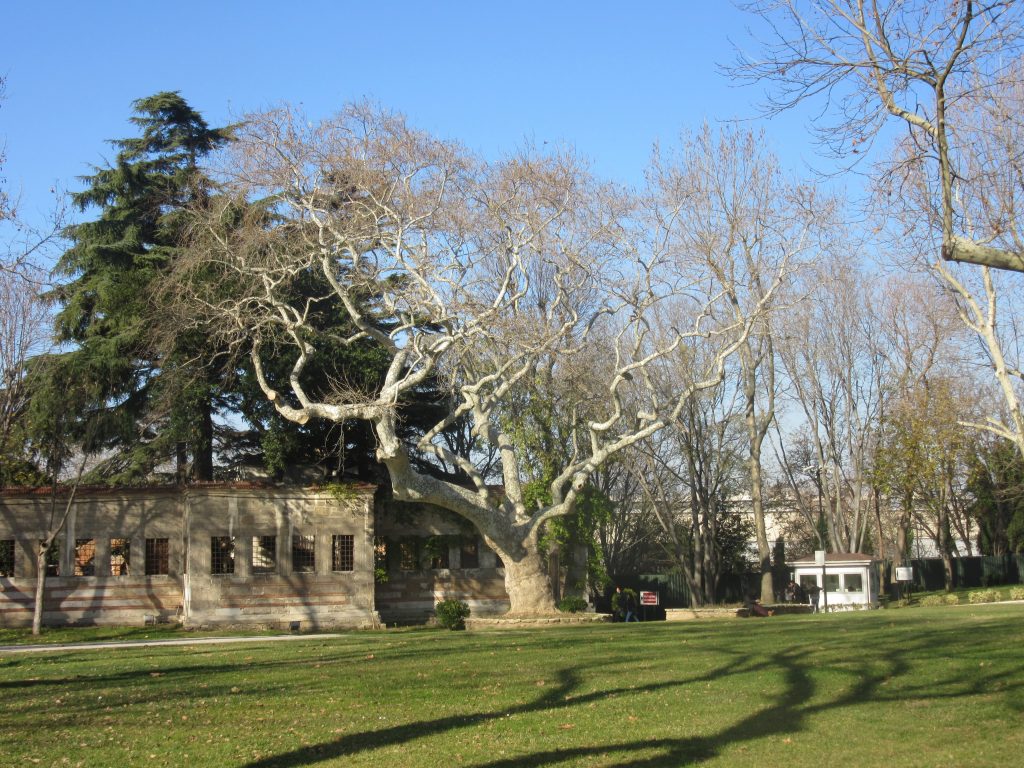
(150, 643)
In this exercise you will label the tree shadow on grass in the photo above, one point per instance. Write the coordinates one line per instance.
(786, 713)
(562, 697)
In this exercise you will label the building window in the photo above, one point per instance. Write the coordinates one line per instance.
(222, 554)
(852, 582)
(7, 558)
(437, 548)
(831, 582)
(85, 557)
(52, 558)
(380, 555)
(264, 554)
(343, 552)
(469, 554)
(808, 580)
(408, 555)
(303, 554)
(158, 560)
(120, 557)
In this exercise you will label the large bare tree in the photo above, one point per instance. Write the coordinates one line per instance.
(24, 320)
(24, 332)
(469, 275)
(913, 61)
(837, 383)
(986, 299)
(924, 344)
(949, 74)
(688, 475)
(732, 210)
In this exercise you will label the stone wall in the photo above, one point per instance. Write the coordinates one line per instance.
(425, 555)
(130, 556)
(110, 520)
(328, 594)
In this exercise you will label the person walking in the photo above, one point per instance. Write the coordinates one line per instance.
(631, 606)
(624, 605)
(814, 592)
(791, 591)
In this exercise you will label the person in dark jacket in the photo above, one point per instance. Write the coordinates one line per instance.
(799, 594)
(814, 593)
(631, 606)
(754, 608)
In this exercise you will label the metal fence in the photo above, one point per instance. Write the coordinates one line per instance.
(674, 593)
(969, 572)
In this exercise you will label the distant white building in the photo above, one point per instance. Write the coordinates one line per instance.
(847, 580)
(782, 517)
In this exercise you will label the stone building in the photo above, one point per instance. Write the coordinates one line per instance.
(240, 554)
(424, 555)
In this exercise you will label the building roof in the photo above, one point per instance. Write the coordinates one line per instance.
(836, 558)
(238, 485)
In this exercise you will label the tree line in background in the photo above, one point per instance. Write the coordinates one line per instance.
(649, 373)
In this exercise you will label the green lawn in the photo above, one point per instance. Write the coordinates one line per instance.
(920, 687)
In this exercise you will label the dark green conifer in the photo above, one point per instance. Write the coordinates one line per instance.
(159, 397)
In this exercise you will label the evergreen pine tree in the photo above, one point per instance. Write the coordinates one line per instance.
(158, 398)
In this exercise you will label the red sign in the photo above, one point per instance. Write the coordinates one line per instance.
(648, 598)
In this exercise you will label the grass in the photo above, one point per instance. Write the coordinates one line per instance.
(924, 687)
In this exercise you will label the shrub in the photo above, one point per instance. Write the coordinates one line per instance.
(1017, 593)
(984, 596)
(452, 614)
(930, 601)
(951, 599)
(572, 605)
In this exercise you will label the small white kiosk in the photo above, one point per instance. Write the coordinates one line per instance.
(849, 580)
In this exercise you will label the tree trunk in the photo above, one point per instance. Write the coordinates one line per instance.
(711, 573)
(879, 538)
(203, 448)
(902, 553)
(555, 571)
(526, 581)
(696, 569)
(576, 571)
(37, 612)
(764, 550)
(757, 428)
(946, 549)
(180, 462)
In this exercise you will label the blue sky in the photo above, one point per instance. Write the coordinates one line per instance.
(609, 78)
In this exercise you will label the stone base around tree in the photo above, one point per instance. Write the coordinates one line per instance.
(718, 612)
(518, 622)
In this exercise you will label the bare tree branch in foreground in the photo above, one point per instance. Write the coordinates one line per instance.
(915, 60)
